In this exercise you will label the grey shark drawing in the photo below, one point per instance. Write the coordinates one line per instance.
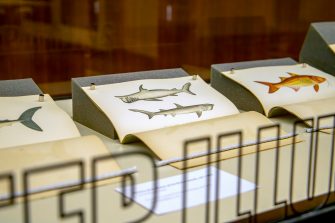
(154, 94)
(25, 119)
(198, 109)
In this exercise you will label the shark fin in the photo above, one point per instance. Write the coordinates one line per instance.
(141, 88)
(26, 119)
(199, 113)
(292, 74)
(178, 106)
(149, 114)
(152, 99)
(186, 88)
(272, 88)
(32, 125)
(316, 87)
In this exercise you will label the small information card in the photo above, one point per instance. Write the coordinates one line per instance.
(170, 190)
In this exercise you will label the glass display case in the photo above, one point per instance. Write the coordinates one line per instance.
(187, 96)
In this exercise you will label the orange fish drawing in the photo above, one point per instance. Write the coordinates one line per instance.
(295, 82)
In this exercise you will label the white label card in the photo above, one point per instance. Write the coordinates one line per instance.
(170, 190)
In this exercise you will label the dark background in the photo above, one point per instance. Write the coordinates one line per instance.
(54, 40)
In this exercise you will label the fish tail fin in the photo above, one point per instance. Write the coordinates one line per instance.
(149, 114)
(186, 88)
(272, 88)
(26, 119)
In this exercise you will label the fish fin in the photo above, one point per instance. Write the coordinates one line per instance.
(26, 119)
(292, 74)
(296, 89)
(199, 113)
(126, 99)
(178, 105)
(141, 88)
(149, 114)
(152, 99)
(272, 88)
(283, 78)
(186, 88)
(316, 87)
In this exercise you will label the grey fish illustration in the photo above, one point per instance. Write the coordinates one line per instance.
(198, 109)
(153, 95)
(25, 119)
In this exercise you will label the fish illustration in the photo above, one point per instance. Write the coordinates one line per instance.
(295, 81)
(198, 109)
(25, 119)
(153, 95)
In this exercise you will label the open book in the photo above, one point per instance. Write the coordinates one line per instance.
(26, 120)
(299, 89)
(48, 181)
(163, 113)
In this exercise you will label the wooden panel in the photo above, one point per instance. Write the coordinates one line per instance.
(54, 40)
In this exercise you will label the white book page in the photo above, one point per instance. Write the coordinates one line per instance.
(294, 89)
(168, 143)
(170, 190)
(332, 47)
(42, 122)
(18, 159)
(200, 102)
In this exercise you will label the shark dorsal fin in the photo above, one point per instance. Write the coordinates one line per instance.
(292, 74)
(177, 105)
(283, 78)
(141, 88)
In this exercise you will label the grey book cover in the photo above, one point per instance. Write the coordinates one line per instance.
(316, 49)
(239, 95)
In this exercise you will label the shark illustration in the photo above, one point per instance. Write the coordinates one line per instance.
(153, 95)
(25, 119)
(198, 109)
(295, 81)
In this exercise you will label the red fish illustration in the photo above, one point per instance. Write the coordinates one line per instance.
(295, 82)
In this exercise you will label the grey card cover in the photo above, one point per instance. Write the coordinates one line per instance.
(316, 49)
(86, 112)
(239, 95)
(18, 87)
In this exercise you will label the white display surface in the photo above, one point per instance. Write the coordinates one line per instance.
(170, 190)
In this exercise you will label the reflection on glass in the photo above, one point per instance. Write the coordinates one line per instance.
(54, 40)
